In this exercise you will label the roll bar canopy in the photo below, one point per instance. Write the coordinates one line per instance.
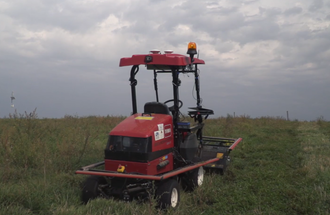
(159, 61)
(173, 64)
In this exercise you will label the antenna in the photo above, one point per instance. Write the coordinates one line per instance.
(12, 99)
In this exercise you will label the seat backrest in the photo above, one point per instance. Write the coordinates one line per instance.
(156, 107)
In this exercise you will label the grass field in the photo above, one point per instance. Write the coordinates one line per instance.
(281, 167)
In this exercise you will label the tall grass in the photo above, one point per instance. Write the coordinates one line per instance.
(281, 167)
(316, 145)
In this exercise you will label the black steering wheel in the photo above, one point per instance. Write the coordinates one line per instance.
(171, 108)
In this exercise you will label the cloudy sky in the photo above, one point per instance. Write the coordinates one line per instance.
(263, 57)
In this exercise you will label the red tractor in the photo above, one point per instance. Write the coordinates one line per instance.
(154, 151)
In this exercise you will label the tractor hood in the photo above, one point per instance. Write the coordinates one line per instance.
(157, 126)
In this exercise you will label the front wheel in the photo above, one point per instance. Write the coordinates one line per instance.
(93, 187)
(168, 194)
(193, 179)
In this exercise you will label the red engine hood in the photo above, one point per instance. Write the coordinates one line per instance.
(145, 126)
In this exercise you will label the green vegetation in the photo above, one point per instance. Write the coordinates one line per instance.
(281, 167)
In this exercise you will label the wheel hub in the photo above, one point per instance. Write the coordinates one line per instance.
(174, 197)
(200, 176)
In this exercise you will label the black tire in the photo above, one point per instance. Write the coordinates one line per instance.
(91, 188)
(168, 194)
(192, 179)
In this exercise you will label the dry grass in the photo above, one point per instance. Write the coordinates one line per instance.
(316, 146)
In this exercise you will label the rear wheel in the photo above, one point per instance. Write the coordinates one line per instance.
(168, 194)
(93, 187)
(193, 179)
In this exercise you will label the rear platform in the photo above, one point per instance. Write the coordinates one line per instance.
(218, 147)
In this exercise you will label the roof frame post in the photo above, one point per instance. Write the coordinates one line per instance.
(197, 86)
(133, 83)
(176, 84)
(155, 85)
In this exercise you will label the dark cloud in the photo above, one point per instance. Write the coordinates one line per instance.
(305, 47)
(72, 16)
(62, 56)
(293, 11)
(316, 5)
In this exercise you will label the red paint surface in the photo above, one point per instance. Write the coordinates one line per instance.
(149, 168)
(118, 175)
(149, 177)
(159, 59)
(235, 143)
(188, 168)
(133, 127)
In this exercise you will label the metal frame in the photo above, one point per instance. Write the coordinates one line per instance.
(88, 171)
(175, 72)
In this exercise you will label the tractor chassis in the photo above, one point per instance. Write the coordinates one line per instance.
(127, 186)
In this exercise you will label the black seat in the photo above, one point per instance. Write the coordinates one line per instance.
(156, 107)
